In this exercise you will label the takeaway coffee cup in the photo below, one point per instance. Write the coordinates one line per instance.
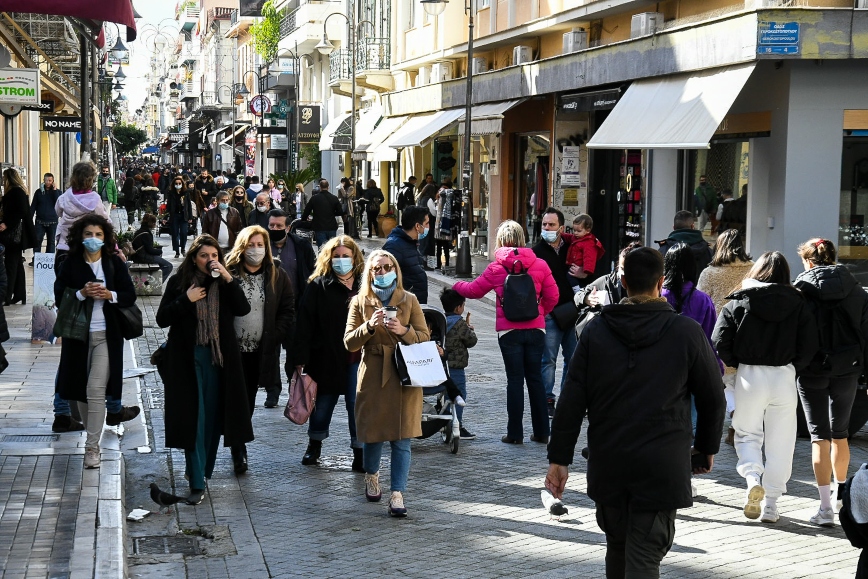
(391, 312)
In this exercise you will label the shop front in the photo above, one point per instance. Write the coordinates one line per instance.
(852, 233)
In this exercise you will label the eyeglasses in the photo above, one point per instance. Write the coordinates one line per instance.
(384, 268)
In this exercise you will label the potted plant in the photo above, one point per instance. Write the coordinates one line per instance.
(387, 222)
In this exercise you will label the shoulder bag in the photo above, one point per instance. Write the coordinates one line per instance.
(73, 317)
(302, 398)
(130, 320)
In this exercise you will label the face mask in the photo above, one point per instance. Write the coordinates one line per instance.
(178, 186)
(549, 236)
(254, 255)
(280, 187)
(239, 195)
(424, 234)
(222, 206)
(276, 235)
(342, 265)
(385, 280)
(92, 244)
(262, 208)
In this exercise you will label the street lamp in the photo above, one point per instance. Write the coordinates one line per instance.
(435, 8)
(296, 64)
(234, 96)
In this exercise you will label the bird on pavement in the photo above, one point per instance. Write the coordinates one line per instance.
(164, 499)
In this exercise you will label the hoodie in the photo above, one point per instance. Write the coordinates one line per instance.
(765, 324)
(494, 276)
(693, 238)
(253, 191)
(70, 206)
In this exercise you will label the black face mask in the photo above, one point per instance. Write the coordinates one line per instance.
(276, 235)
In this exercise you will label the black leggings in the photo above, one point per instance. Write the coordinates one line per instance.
(16, 289)
(373, 229)
(444, 246)
(827, 402)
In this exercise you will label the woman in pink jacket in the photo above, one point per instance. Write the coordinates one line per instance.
(521, 343)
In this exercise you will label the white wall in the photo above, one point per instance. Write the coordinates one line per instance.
(661, 194)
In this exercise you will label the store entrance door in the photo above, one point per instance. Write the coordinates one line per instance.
(603, 202)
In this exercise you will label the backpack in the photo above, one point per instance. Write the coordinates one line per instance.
(517, 302)
(841, 342)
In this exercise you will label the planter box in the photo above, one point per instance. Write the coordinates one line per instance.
(147, 279)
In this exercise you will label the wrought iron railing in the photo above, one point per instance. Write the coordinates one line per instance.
(208, 99)
(340, 65)
(288, 24)
(373, 54)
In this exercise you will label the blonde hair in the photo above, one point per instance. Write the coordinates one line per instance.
(818, 251)
(365, 288)
(324, 259)
(236, 254)
(509, 234)
(12, 179)
(82, 176)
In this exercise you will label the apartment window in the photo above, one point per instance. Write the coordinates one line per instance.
(410, 11)
(484, 3)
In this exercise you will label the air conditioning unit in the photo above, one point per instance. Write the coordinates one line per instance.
(441, 72)
(522, 54)
(645, 24)
(480, 65)
(575, 40)
(423, 77)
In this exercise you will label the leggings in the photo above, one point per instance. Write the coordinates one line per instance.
(373, 229)
(444, 246)
(827, 402)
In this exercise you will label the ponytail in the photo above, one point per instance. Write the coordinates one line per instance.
(818, 251)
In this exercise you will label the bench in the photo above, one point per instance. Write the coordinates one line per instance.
(147, 279)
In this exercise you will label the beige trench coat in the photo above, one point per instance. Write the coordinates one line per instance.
(385, 410)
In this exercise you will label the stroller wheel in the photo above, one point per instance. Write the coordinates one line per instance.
(446, 434)
(453, 445)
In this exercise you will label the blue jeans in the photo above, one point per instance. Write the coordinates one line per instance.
(179, 227)
(41, 230)
(323, 236)
(321, 416)
(61, 406)
(457, 375)
(522, 358)
(556, 338)
(400, 461)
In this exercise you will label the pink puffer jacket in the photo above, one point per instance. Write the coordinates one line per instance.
(494, 275)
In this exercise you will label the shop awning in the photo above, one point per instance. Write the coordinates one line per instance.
(376, 151)
(336, 134)
(365, 127)
(487, 119)
(218, 132)
(90, 12)
(225, 142)
(150, 150)
(419, 130)
(678, 112)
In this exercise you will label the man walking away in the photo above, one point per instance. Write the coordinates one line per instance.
(403, 243)
(684, 231)
(108, 190)
(42, 208)
(705, 203)
(407, 194)
(325, 207)
(254, 189)
(634, 371)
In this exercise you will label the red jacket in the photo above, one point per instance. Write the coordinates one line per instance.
(585, 251)
(495, 274)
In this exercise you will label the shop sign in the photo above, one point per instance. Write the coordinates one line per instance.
(19, 86)
(591, 101)
(177, 137)
(778, 38)
(745, 124)
(309, 128)
(61, 124)
(260, 105)
(279, 142)
(42, 107)
(275, 154)
(571, 197)
(570, 175)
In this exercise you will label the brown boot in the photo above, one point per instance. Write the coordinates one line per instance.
(730, 436)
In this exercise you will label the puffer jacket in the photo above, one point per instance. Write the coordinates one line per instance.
(459, 337)
(494, 276)
(70, 206)
(833, 286)
(406, 251)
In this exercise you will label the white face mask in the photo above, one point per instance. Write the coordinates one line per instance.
(178, 186)
(262, 208)
(254, 255)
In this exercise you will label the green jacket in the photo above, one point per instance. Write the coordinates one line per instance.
(706, 199)
(107, 190)
(459, 337)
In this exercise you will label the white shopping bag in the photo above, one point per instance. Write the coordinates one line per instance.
(420, 365)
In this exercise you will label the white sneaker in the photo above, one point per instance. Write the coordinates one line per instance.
(693, 491)
(770, 514)
(824, 518)
(396, 505)
(91, 457)
(372, 487)
(753, 497)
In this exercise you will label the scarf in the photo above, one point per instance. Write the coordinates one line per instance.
(385, 294)
(208, 316)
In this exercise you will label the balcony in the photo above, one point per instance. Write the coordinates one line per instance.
(373, 54)
(188, 15)
(288, 24)
(340, 65)
(304, 26)
(372, 67)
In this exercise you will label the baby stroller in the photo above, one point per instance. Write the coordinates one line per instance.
(438, 410)
(303, 229)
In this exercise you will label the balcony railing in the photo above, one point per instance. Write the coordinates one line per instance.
(288, 24)
(340, 65)
(373, 54)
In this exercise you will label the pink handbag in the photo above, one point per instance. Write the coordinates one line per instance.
(302, 398)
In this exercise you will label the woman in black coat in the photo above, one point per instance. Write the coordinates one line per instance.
(319, 341)
(260, 333)
(89, 370)
(143, 244)
(374, 197)
(203, 381)
(15, 214)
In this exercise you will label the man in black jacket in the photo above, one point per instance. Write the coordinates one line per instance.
(325, 208)
(684, 231)
(403, 243)
(635, 387)
(407, 193)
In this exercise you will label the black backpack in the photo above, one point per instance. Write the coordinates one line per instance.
(841, 341)
(519, 301)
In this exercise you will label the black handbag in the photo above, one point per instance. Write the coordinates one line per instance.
(73, 317)
(565, 315)
(586, 315)
(130, 320)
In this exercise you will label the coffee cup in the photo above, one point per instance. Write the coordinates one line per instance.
(391, 312)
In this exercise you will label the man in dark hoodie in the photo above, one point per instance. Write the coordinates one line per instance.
(403, 243)
(635, 388)
(685, 232)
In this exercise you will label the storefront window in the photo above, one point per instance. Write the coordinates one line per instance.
(725, 168)
(532, 183)
(852, 233)
(485, 155)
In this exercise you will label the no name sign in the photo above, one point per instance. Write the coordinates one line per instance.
(61, 124)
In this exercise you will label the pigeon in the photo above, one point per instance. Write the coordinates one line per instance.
(164, 499)
(554, 506)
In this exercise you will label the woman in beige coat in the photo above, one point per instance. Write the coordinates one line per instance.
(385, 410)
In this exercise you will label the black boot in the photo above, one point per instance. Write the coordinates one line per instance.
(239, 458)
(358, 466)
(311, 455)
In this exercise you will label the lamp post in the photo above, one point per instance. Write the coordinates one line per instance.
(296, 64)
(233, 96)
(462, 264)
(245, 93)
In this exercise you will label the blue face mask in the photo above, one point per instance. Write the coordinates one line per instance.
(385, 280)
(342, 265)
(549, 236)
(424, 234)
(222, 206)
(92, 244)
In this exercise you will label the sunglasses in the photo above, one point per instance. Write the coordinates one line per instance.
(384, 268)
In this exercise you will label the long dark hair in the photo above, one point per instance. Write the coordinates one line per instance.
(76, 233)
(187, 269)
(771, 267)
(679, 267)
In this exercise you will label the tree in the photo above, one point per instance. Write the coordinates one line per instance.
(266, 32)
(129, 138)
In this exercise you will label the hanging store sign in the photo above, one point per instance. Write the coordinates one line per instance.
(42, 107)
(19, 86)
(177, 137)
(601, 100)
(260, 105)
(279, 142)
(309, 128)
(61, 124)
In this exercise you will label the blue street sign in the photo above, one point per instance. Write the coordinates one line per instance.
(778, 38)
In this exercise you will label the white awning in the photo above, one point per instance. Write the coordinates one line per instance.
(375, 151)
(335, 135)
(677, 112)
(225, 142)
(419, 130)
(365, 127)
(488, 118)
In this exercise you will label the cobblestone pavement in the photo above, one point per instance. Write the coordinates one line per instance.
(473, 514)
